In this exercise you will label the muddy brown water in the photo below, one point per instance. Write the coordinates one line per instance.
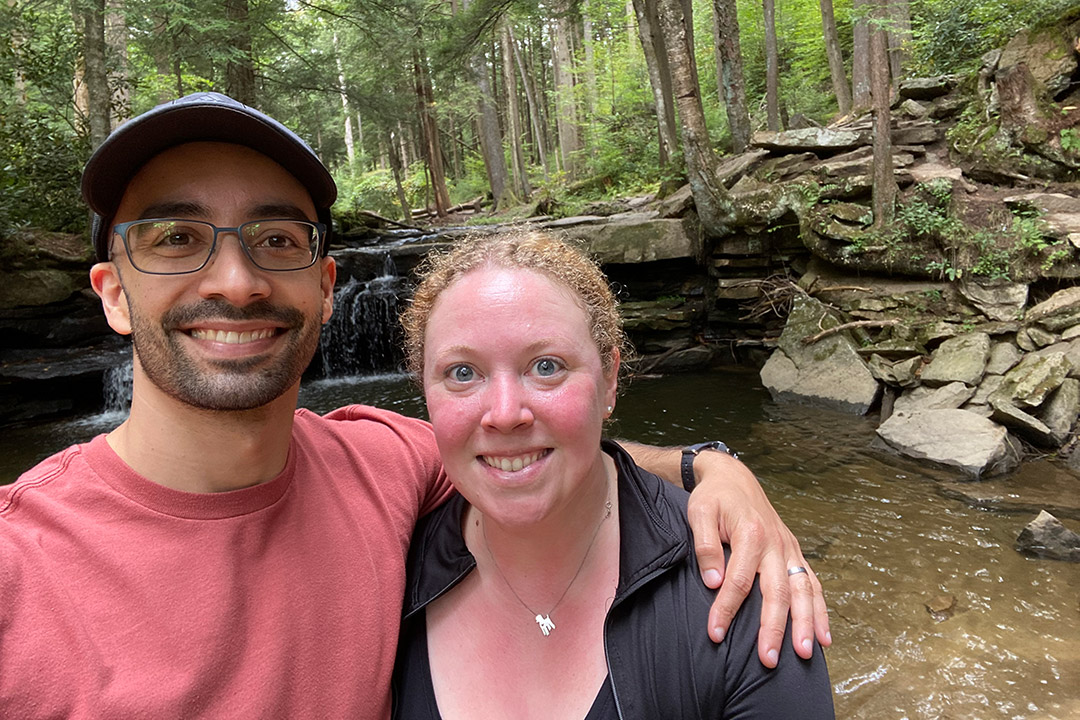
(889, 543)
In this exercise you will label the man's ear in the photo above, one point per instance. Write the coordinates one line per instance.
(105, 279)
(327, 280)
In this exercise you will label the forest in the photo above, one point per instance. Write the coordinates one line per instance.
(419, 106)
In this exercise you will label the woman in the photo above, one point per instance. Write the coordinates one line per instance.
(561, 583)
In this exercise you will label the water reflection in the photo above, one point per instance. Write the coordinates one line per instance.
(883, 538)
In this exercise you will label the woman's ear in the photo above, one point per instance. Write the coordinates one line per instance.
(105, 279)
(611, 378)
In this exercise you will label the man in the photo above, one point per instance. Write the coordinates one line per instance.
(221, 553)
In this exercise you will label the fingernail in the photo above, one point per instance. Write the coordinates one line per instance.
(774, 656)
(807, 645)
(828, 637)
(712, 578)
(718, 633)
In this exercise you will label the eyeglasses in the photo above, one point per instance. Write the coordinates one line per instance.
(173, 246)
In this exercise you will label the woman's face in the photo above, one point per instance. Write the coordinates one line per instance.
(516, 392)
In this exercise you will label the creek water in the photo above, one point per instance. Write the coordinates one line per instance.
(882, 538)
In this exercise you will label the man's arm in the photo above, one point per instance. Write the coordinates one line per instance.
(729, 505)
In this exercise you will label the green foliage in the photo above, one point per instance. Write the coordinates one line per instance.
(40, 189)
(1070, 141)
(951, 35)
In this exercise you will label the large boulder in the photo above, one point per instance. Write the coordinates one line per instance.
(634, 238)
(828, 373)
(1060, 311)
(958, 439)
(959, 359)
(1046, 536)
(998, 300)
(953, 395)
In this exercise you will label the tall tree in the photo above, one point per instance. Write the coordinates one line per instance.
(532, 102)
(899, 36)
(712, 200)
(656, 63)
(343, 90)
(860, 55)
(425, 98)
(513, 113)
(488, 133)
(730, 72)
(566, 113)
(240, 67)
(885, 190)
(836, 59)
(96, 77)
(772, 66)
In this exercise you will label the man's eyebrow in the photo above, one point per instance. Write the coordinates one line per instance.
(180, 209)
(279, 210)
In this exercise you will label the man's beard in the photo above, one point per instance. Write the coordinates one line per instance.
(226, 384)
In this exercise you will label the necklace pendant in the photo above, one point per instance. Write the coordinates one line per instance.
(546, 626)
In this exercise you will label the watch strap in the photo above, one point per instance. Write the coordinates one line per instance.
(690, 452)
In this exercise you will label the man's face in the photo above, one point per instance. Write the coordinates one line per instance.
(231, 336)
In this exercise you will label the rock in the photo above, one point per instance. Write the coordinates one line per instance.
(810, 139)
(1045, 536)
(691, 359)
(1048, 54)
(901, 373)
(28, 288)
(1003, 356)
(1025, 424)
(953, 438)
(1044, 203)
(1024, 341)
(949, 396)
(733, 168)
(941, 607)
(924, 134)
(989, 385)
(846, 222)
(928, 88)
(926, 172)
(913, 109)
(1032, 379)
(1040, 337)
(1071, 334)
(639, 316)
(959, 359)
(676, 204)
(737, 289)
(827, 373)
(1060, 410)
(895, 349)
(634, 239)
(1000, 300)
(1060, 311)
(1071, 351)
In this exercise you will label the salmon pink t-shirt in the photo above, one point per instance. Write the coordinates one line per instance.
(120, 598)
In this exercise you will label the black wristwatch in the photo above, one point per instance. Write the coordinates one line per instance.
(688, 455)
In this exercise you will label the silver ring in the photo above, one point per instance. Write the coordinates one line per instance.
(795, 570)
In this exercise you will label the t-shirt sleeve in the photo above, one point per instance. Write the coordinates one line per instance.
(431, 484)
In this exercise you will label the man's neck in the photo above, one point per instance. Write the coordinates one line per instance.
(186, 448)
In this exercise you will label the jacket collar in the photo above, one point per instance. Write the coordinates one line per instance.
(652, 534)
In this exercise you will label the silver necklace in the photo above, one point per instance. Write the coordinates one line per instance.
(544, 621)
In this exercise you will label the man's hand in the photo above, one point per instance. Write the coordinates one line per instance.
(729, 505)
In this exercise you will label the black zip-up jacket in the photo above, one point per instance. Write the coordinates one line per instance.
(661, 662)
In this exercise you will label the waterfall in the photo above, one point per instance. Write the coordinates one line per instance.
(117, 388)
(363, 335)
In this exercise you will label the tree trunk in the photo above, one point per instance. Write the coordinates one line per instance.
(772, 67)
(116, 43)
(343, 90)
(899, 37)
(590, 62)
(96, 78)
(530, 100)
(430, 129)
(885, 190)
(240, 69)
(714, 204)
(732, 83)
(860, 56)
(513, 114)
(395, 168)
(656, 62)
(566, 120)
(488, 133)
(836, 58)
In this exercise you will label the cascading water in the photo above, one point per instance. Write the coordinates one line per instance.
(116, 388)
(363, 335)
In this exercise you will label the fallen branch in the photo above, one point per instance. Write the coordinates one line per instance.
(388, 221)
(811, 339)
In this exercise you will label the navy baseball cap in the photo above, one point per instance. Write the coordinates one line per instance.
(207, 117)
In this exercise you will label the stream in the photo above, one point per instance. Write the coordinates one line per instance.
(883, 539)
